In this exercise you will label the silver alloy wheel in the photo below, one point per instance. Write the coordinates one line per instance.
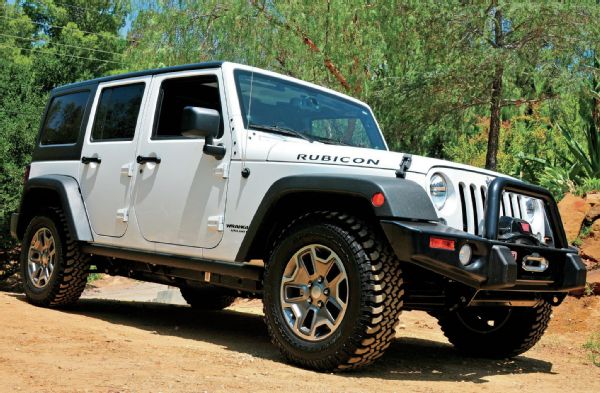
(41, 257)
(314, 292)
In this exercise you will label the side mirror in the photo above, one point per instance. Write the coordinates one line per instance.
(200, 122)
(203, 122)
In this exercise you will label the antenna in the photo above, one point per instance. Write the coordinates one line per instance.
(245, 169)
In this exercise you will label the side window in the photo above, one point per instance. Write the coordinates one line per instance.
(63, 120)
(176, 94)
(117, 113)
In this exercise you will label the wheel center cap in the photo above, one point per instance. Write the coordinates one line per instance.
(316, 291)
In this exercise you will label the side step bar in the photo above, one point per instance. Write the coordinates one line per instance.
(232, 269)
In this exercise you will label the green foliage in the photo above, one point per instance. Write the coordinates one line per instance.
(44, 44)
(586, 160)
(19, 119)
(583, 234)
(589, 185)
(593, 348)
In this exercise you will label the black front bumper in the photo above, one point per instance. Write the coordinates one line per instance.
(493, 267)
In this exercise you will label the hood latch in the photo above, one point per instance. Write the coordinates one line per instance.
(404, 166)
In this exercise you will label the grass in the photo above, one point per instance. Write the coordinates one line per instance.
(593, 348)
(93, 276)
(585, 232)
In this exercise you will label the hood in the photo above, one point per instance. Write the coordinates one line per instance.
(324, 154)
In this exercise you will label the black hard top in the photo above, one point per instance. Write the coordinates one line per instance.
(184, 67)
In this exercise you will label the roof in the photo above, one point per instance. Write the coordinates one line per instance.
(155, 71)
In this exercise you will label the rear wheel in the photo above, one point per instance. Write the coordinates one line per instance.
(496, 332)
(207, 297)
(53, 270)
(332, 293)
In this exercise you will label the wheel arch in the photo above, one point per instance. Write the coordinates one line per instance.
(292, 196)
(58, 191)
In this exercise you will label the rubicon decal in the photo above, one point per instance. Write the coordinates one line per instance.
(342, 159)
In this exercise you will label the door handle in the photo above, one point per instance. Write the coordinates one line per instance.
(87, 160)
(144, 159)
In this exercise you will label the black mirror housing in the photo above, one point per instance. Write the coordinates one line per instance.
(200, 122)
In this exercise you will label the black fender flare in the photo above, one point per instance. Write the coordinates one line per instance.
(70, 199)
(404, 199)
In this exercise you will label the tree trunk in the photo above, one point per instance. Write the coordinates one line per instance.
(494, 135)
(496, 97)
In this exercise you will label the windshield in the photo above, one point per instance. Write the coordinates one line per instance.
(271, 104)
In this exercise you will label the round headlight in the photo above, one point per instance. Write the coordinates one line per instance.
(438, 190)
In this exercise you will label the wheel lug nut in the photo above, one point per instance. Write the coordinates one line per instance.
(320, 304)
(309, 284)
(320, 279)
(309, 300)
(326, 291)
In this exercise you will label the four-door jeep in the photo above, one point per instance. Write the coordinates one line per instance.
(226, 180)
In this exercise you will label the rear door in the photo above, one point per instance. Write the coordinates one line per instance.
(108, 154)
(180, 192)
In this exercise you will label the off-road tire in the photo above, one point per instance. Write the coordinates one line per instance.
(521, 330)
(375, 293)
(208, 298)
(69, 276)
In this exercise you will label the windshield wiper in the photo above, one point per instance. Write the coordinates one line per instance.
(280, 130)
(329, 141)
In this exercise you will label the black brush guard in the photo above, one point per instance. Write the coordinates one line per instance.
(494, 265)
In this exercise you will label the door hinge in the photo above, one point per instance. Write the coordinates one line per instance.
(222, 170)
(216, 223)
(123, 214)
(127, 169)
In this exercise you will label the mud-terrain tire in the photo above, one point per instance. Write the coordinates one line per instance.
(373, 292)
(207, 298)
(61, 274)
(515, 330)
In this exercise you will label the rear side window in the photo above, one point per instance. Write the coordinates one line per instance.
(64, 117)
(117, 113)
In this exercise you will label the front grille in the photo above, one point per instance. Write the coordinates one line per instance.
(472, 200)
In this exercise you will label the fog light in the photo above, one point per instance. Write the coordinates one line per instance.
(465, 254)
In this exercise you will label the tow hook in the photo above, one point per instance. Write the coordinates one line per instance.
(535, 263)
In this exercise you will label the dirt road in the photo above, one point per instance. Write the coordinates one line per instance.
(123, 346)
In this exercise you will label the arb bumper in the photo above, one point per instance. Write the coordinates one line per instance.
(492, 265)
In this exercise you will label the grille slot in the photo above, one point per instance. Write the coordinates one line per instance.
(472, 201)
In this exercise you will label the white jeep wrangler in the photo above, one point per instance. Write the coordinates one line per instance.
(226, 180)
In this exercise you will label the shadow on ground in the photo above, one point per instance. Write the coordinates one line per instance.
(406, 359)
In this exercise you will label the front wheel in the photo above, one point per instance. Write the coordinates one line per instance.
(496, 332)
(332, 293)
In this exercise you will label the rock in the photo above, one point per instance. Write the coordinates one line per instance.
(590, 248)
(596, 226)
(593, 198)
(573, 210)
(593, 214)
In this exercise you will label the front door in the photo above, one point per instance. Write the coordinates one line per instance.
(180, 192)
(108, 153)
